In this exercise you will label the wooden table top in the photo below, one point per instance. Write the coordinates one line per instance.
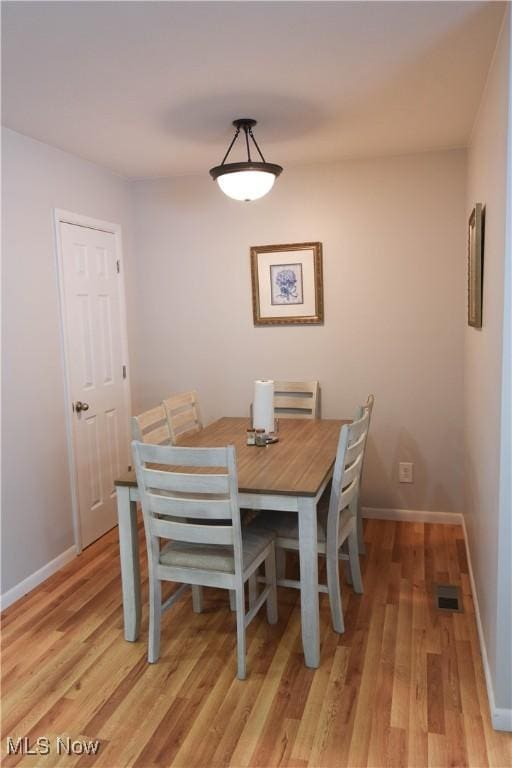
(296, 465)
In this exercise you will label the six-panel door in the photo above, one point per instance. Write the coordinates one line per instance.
(93, 333)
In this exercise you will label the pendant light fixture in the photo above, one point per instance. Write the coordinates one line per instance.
(250, 179)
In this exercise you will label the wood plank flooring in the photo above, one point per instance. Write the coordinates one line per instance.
(403, 686)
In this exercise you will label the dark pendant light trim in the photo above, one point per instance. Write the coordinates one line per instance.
(221, 170)
(246, 124)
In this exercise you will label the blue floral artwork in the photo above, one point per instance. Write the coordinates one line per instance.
(286, 284)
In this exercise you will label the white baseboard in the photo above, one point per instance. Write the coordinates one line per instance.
(33, 581)
(413, 515)
(501, 718)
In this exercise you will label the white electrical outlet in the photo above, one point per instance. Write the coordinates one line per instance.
(405, 472)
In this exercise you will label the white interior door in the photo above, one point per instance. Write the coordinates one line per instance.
(94, 333)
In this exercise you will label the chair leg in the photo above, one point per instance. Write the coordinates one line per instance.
(346, 565)
(353, 558)
(155, 613)
(281, 563)
(232, 600)
(240, 632)
(333, 585)
(197, 598)
(360, 532)
(253, 588)
(270, 578)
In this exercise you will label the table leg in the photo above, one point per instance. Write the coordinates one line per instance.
(309, 604)
(130, 568)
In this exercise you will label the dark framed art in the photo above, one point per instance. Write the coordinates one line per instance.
(476, 227)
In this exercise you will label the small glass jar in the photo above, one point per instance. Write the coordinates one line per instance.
(260, 437)
(251, 437)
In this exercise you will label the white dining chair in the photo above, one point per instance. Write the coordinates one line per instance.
(293, 400)
(360, 533)
(183, 415)
(215, 555)
(152, 427)
(337, 519)
(296, 399)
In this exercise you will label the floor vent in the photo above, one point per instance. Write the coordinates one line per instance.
(447, 598)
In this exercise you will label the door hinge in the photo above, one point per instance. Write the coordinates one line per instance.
(118, 266)
(124, 371)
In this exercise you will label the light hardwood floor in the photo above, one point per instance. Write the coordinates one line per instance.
(403, 686)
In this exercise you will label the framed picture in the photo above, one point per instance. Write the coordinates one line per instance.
(287, 287)
(475, 265)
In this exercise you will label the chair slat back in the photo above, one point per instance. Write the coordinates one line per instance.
(186, 485)
(352, 469)
(347, 470)
(296, 399)
(183, 415)
(193, 534)
(354, 449)
(369, 407)
(187, 457)
(184, 482)
(193, 507)
(348, 495)
(370, 401)
(151, 427)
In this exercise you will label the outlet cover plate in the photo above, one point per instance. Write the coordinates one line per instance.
(405, 472)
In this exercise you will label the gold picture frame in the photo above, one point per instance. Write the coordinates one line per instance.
(476, 226)
(287, 284)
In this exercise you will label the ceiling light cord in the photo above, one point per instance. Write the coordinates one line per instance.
(248, 132)
(256, 144)
(235, 137)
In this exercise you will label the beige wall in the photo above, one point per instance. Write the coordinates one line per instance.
(36, 501)
(486, 520)
(393, 297)
(393, 233)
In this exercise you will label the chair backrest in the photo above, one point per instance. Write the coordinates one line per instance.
(347, 472)
(152, 427)
(182, 497)
(296, 399)
(370, 401)
(183, 415)
(360, 411)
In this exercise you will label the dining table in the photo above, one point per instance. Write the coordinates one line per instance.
(290, 475)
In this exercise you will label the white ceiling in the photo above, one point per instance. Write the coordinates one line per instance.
(149, 89)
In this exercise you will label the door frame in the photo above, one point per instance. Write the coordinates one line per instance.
(61, 216)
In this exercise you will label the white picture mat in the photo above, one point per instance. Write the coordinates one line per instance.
(284, 291)
(303, 257)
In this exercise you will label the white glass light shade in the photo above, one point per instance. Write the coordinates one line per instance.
(246, 185)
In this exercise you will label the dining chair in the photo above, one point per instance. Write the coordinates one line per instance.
(296, 399)
(337, 519)
(215, 555)
(360, 533)
(293, 400)
(152, 427)
(183, 415)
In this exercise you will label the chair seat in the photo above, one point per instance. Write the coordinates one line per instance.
(285, 525)
(215, 557)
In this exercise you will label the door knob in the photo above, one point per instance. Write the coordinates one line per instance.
(79, 406)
